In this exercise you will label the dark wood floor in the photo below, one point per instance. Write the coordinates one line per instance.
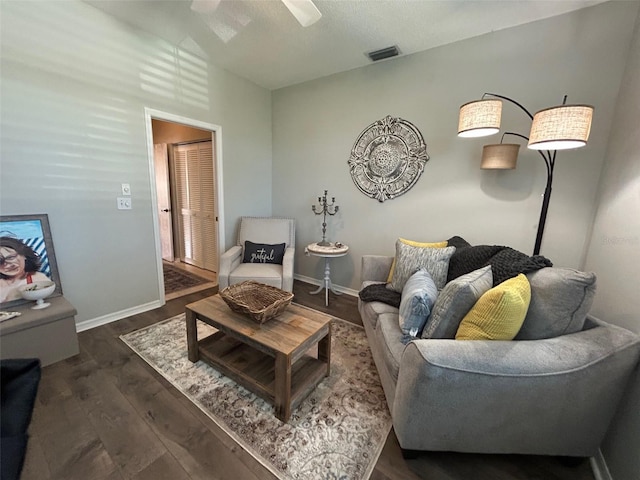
(105, 414)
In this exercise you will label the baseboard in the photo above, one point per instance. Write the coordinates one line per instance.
(599, 467)
(112, 317)
(315, 281)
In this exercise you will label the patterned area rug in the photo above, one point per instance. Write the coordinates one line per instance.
(336, 433)
(176, 279)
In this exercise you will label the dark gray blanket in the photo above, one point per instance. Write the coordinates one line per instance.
(505, 262)
(378, 292)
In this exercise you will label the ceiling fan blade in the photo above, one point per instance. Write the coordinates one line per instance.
(204, 6)
(304, 10)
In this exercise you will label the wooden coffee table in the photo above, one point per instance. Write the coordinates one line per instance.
(274, 360)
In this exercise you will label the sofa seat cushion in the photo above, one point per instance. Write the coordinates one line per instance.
(560, 301)
(268, 273)
(390, 338)
(454, 302)
(371, 311)
(499, 313)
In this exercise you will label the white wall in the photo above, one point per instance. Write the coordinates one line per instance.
(315, 124)
(614, 253)
(75, 83)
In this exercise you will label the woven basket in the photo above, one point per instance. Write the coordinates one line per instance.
(258, 301)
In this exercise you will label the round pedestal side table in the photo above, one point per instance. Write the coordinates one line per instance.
(327, 252)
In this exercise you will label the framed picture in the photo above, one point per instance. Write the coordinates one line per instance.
(26, 256)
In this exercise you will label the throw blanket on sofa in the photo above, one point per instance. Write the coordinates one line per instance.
(378, 292)
(505, 262)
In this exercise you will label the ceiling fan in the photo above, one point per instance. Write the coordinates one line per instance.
(305, 11)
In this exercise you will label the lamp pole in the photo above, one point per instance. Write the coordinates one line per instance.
(549, 158)
(545, 203)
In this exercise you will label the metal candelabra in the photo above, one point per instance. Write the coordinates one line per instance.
(323, 209)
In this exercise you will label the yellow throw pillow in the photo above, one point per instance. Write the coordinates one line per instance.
(499, 313)
(415, 244)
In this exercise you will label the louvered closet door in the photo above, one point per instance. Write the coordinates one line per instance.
(196, 201)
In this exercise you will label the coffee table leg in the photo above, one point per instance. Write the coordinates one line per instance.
(282, 399)
(324, 350)
(192, 336)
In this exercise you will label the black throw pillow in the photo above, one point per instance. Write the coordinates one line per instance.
(263, 253)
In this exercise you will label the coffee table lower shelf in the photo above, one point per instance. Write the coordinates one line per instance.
(256, 371)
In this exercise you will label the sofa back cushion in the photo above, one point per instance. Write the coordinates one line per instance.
(454, 301)
(560, 301)
(418, 297)
(499, 313)
(410, 259)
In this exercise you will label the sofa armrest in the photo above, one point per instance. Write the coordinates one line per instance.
(229, 261)
(375, 268)
(562, 391)
(287, 269)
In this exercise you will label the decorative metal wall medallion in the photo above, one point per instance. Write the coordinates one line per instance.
(388, 158)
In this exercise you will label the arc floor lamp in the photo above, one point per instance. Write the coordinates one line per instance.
(556, 128)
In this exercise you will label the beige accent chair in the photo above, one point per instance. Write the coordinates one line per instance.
(270, 230)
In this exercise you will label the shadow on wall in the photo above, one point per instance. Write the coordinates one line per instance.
(510, 185)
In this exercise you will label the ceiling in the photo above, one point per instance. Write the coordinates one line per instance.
(262, 41)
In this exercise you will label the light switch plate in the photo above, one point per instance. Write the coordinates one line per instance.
(124, 203)
(126, 189)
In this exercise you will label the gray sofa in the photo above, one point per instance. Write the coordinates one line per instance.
(553, 396)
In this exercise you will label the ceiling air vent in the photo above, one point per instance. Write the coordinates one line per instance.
(383, 53)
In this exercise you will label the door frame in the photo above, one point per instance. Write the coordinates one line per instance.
(149, 114)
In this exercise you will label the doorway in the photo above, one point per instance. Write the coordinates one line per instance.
(186, 172)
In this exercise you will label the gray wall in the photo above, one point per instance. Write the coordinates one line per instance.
(315, 124)
(614, 253)
(75, 83)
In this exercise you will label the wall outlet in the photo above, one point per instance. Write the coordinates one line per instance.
(124, 203)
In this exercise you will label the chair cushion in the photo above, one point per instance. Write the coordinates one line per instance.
(454, 302)
(263, 252)
(560, 301)
(409, 259)
(268, 273)
(499, 313)
(418, 296)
